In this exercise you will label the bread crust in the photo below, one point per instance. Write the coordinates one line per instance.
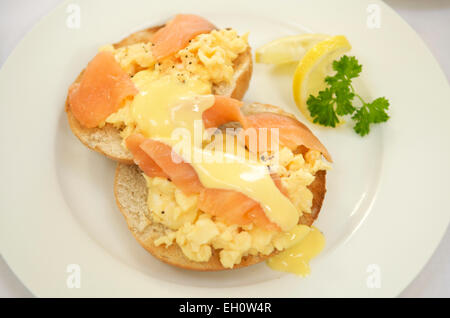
(130, 191)
(107, 140)
(173, 254)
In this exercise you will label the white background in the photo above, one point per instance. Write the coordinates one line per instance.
(430, 19)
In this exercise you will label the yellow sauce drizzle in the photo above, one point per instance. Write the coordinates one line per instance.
(165, 104)
(295, 259)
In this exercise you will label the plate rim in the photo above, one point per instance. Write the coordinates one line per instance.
(9, 255)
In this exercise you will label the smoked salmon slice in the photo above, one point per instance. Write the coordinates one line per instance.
(224, 110)
(177, 33)
(157, 159)
(144, 161)
(292, 133)
(103, 87)
(233, 207)
(181, 173)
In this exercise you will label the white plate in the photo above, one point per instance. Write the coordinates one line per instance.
(387, 205)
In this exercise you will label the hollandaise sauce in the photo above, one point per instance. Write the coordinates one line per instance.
(164, 105)
(308, 243)
(159, 109)
(252, 179)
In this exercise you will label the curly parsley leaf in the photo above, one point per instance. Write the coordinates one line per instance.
(343, 98)
(347, 66)
(378, 110)
(372, 113)
(362, 126)
(321, 108)
(337, 99)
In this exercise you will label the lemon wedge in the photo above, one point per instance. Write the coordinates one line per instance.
(288, 49)
(312, 69)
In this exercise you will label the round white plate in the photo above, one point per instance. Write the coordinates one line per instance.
(387, 205)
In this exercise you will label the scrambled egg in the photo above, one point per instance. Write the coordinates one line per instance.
(133, 58)
(207, 61)
(208, 56)
(197, 233)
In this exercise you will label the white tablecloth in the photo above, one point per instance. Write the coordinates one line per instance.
(431, 20)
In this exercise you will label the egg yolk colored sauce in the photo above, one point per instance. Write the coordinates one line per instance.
(166, 106)
(295, 259)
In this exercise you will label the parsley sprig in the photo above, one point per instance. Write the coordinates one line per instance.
(337, 100)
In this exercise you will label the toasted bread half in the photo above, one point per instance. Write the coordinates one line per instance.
(131, 193)
(107, 140)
